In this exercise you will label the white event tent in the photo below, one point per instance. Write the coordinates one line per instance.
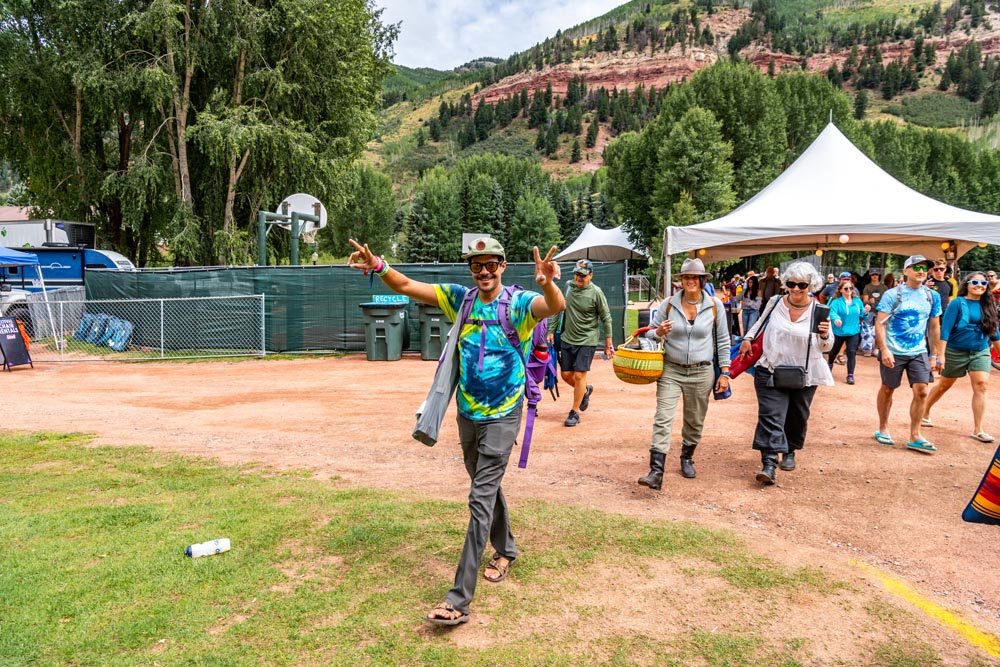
(833, 190)
(601, 245)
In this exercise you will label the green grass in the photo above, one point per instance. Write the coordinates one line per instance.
(92, 573)
(934, 109)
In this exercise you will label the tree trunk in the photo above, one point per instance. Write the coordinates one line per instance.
(235, 171)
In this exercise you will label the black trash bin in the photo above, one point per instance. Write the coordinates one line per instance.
(434, 327)
(385, 330)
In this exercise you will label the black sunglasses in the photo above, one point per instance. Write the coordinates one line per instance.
(479, 266)
(791, 283)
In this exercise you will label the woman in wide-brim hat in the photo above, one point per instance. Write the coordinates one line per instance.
(692, 324)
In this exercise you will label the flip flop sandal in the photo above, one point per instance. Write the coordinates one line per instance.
(443, 620)
(502, 569)
(884, 438)
(928, 423)
(983, 436)
(922, 446)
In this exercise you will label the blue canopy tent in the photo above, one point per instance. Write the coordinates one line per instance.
(11, 257)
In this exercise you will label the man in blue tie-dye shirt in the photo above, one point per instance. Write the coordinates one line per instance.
(908, 316)
(490, 393)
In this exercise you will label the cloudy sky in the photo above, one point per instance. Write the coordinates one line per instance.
(446, 33)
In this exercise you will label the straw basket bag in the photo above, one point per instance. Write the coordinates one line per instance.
(636, 366)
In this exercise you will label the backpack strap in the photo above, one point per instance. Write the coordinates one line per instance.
(899, 299)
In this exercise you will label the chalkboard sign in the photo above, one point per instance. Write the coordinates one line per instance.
(12, 345)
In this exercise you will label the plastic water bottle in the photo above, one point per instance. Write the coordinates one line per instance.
(209, 548)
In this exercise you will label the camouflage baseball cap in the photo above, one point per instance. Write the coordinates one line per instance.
(484, 245)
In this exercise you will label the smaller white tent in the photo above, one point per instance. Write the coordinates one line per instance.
(601, 245)
(832, 190)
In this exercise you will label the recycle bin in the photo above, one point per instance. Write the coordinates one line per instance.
(434, 327)
(385, 330)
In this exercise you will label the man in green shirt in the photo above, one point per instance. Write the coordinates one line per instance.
(586, 309)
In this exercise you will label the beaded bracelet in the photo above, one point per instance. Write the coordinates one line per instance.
(383, 267)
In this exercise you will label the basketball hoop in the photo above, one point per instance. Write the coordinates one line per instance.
(309, 236)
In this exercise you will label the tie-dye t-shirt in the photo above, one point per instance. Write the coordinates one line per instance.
(906, 330)
(497, 389)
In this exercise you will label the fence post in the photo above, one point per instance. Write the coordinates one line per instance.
(162, 342)
(263, 333)
(55, 339)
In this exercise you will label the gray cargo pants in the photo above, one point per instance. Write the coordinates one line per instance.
(486, 447)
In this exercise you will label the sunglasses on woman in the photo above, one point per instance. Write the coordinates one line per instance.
(791, 284)
(479, 266)
(978, 283)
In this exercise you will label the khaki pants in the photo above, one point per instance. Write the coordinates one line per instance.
(695, 385)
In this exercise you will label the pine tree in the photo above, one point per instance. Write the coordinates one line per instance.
(421, 138)
(575, 156)
(435, 129)
(552, 140)
(860, 104)
(592, 134)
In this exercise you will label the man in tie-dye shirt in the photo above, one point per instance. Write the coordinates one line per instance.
(908, 316)
(489, 396)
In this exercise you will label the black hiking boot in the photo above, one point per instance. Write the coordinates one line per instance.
(768, 463)
(654, 479)
(687, 462)
(788, 461)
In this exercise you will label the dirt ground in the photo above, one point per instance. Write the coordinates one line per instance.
(850, 500)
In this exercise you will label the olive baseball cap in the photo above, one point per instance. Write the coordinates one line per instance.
(484, 245)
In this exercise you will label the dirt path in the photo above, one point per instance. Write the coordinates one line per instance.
(348, 418)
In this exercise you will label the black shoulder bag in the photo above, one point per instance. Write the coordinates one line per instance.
(793, 377)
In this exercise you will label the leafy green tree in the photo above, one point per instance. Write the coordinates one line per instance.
(694, 160)
(177, 120)
(367, 212)
(749, 108)
(808, 102)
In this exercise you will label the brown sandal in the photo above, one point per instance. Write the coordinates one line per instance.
(445, 614)
(502, 569)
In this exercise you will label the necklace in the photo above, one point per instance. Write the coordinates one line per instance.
(792, 305)
(693, 303)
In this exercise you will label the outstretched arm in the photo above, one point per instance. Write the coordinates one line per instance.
(547, 274)
(363, 260)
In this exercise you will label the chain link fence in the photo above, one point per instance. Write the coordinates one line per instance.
(70, 328)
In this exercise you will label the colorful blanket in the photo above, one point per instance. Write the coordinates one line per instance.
(985, 505)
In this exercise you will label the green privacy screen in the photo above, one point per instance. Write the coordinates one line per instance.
(317, 307)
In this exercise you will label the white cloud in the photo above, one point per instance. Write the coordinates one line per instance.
(446, 33)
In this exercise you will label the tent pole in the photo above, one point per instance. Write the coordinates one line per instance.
(48, 307)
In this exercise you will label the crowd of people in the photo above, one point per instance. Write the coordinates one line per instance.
(791, 327)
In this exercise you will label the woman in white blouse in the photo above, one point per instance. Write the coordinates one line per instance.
(793, 360)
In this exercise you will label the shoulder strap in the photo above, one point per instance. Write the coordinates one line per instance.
(506, 321)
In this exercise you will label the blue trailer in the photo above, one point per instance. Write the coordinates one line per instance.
(62, 266)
